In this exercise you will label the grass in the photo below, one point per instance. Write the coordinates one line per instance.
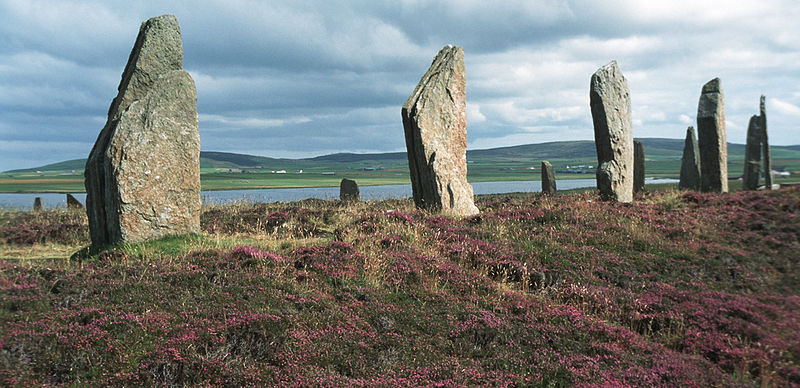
(675, 289)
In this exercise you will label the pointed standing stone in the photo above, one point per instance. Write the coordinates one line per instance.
(712, 138)
(435, 124)
(143, 174)
(690, 163)
(548, 178)
(348, 190)
(752, 155)
(765, 144)
(613, 134)
(37, 204)
(73, 203)
(638, 166)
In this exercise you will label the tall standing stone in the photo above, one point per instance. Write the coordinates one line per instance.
(143, 173)
(765, 144)
(752, 154)
(548, 178)
(638, 166)
(712, 138)
(613, 133)
(37, 204)
(690, 163)
(73, 203)
(435, 124)
(348, 190)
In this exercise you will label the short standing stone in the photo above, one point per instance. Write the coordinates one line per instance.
(752, 154)
(143, 174)
(73, 203)
(690, 163)
(348, 190)
(712, 138)
(765, 144)
(435, 124)
(638, 166)
(548, 178)
(613, 134)
(37, 204)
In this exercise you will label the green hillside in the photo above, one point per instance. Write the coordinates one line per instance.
(656, 149)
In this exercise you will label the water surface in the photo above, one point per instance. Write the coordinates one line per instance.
(369, 193)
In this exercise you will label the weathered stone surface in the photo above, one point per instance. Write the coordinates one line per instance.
(143, 173)
(765, 144)
(712, 138)
(348, 190)
(613, 133)
(690, 163)
(37, 204)
(752, 154)
(73, 203)
(548, 178)
(638, 166)
(435, 124)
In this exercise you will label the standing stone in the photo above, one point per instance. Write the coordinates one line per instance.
(765, 144)
(348, 190)
(613, 134)
(712, 138)
(435, 124)
(752, 154)
(143, 174)
(37, 204)
(690, 163)
(638, 166)
(73, 203)
(548, 178)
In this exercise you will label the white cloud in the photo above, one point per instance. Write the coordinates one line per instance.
(784, 107)
(474, 114)
(251, 122)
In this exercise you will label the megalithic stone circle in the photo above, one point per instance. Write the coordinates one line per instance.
(143, 173)
(752, 154)
(765, 144)
(435, 125)
(548, 178)
(348, 190)
(609, 99)
(638, 166)
(711, 138)
(690, 163)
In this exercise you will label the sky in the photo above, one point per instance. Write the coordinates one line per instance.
(305, 78)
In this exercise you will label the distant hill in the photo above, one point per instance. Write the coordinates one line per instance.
(212, 159)
(580, 149)
(352, 158)
(67, 165)
(655, 148)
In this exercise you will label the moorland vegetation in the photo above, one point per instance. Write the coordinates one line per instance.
(675, 289)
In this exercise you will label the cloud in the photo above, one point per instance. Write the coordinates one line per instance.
(300, 78)
(785, 108)
(474, 114)
(250, 122)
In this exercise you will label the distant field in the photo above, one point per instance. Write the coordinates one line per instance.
(571, 160)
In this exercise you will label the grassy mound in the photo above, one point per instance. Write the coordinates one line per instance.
(676, 289)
